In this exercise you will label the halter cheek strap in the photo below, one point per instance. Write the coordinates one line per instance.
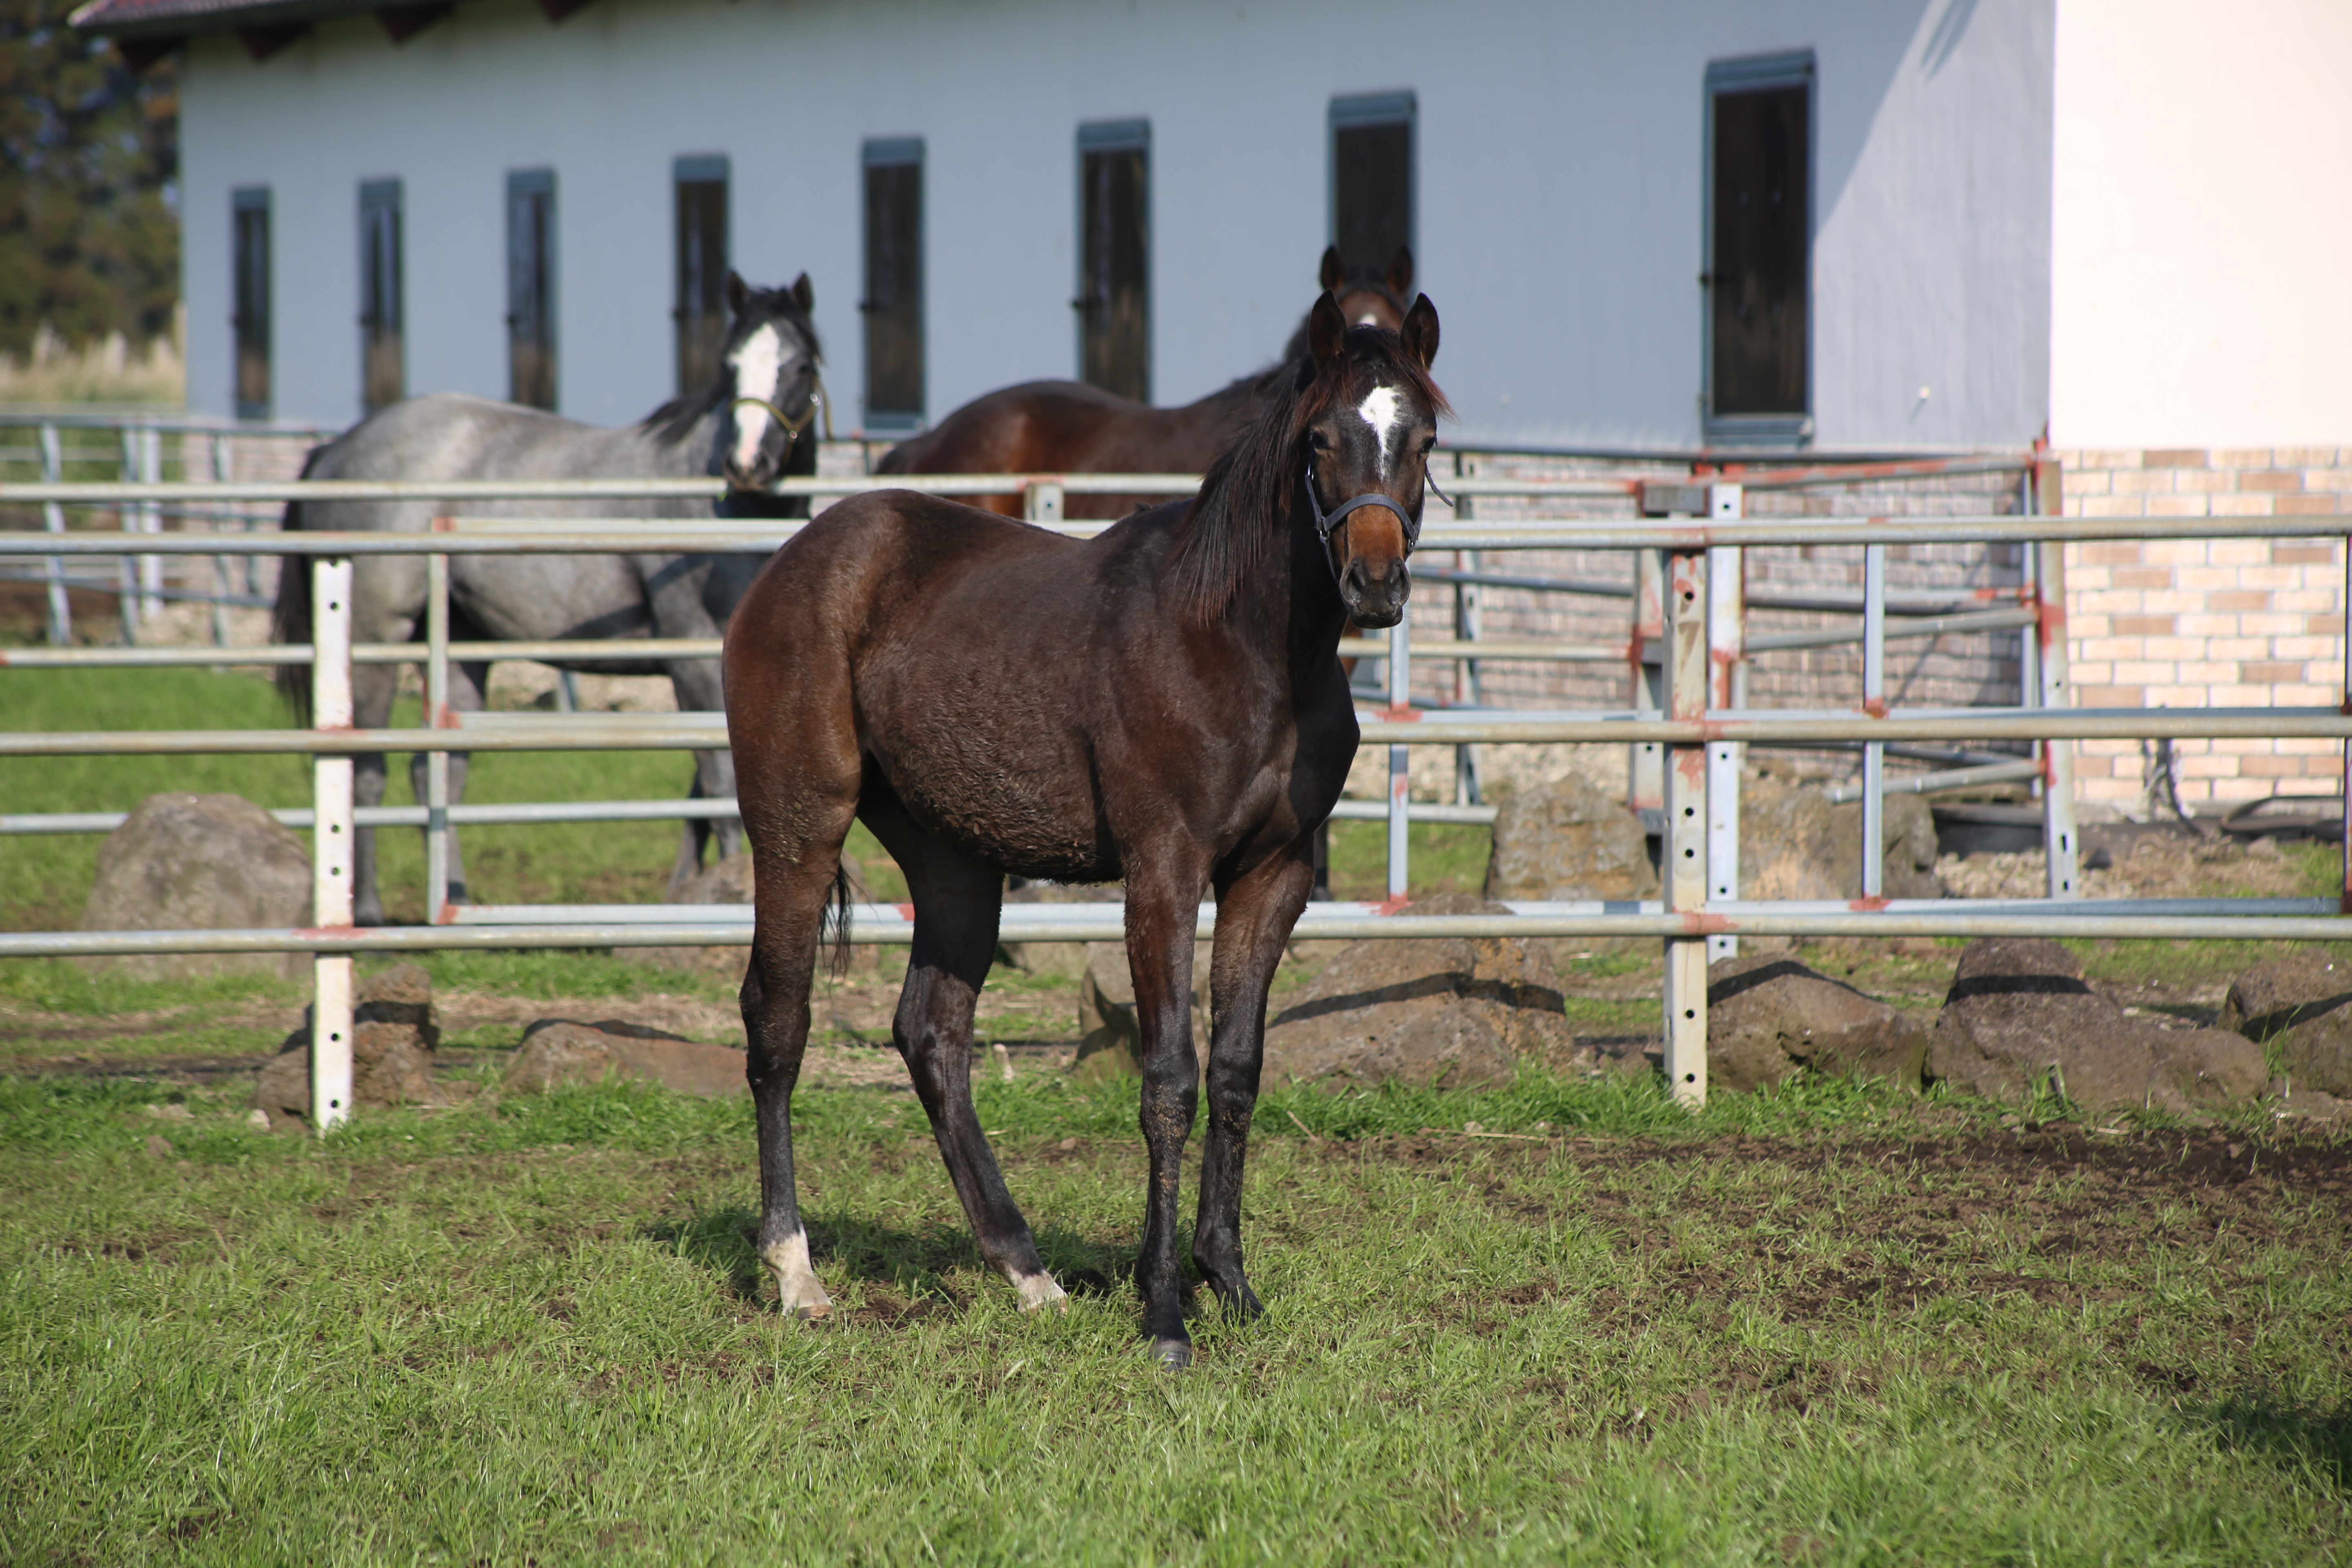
(1324, 521)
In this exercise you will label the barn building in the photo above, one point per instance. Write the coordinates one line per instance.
(2117, 226)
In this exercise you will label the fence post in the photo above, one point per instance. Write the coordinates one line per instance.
(151, 521)
(1727, 638)
(1468, 626)
(2344, 900)
(1645, 794)
(2058, 834)
(1399, 758)
(1041, 501)
(330, 709)
(1685, 840)
(436, 717)
(218, 522)
(53, 518)
(126, 568)
(1874, 703)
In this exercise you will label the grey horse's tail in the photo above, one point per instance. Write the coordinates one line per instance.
(290, 617)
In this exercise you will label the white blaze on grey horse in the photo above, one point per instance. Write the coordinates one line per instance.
(563, 598)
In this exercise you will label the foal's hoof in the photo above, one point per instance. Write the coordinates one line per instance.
(1174, 1354)
(1038, 1292)
(810, 1311)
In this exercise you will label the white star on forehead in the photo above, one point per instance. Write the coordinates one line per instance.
(1383, 410)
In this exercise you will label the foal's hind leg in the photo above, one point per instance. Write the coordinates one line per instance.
(958, 901)
(799, 856)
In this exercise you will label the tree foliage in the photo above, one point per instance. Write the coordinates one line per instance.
(90, 231)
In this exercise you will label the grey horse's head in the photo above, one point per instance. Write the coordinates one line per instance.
(769, 381)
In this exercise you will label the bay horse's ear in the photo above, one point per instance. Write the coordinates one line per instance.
(1421, 331)
(739, 293)
(1400, 271)
(804, 293)
(1335, 271)
(1326, 332)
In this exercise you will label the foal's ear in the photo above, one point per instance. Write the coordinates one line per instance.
(1335, 271)
(1400, 277)
(804, 293)
(1419, 333)
(739, 293)
(1326, 332)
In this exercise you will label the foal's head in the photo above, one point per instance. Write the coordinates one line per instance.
(1368, 424)
(770, 376)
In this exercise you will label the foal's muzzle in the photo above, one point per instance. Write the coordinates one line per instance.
(1375, 591)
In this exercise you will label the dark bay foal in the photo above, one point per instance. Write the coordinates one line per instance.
(1162, 703)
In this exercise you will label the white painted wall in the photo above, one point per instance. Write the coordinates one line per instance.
(2201, 290)
(1561, 191)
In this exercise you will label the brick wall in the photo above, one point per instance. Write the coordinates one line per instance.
(2220, 623)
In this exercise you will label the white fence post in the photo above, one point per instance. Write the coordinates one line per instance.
(2058, 837)
(436, 717)
(151, 521)
(1041, 502)
(330, 709)
(1874, 703)
(1685, 844)
(53, 518)
(1726, 639)
(1400, 759)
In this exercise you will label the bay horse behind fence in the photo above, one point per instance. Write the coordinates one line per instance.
(1162, 703)
(749, 427)
(1071, 427)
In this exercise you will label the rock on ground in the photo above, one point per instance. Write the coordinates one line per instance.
(2019, 1010)
(395, 1033)
(560, 1050)
(1564, 839)
(1793, 844)
(2297, 1005)
(1110, 1039)
(2156, 866)
(1455, 1014)
(1767, 1017)
(199, 862)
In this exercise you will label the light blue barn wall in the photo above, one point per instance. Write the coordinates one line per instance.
(1560, 191)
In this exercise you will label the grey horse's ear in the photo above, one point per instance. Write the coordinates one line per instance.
(1335, 271)
(739, 293)
(804, 293)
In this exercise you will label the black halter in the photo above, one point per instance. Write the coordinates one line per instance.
(1324, 521)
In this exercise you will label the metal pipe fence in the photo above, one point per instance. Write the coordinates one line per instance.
(1690, 639)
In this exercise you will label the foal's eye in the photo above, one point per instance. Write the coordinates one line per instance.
(1319, 441)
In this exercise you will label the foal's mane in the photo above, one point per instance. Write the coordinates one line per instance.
(675, 420)
(1241, 514)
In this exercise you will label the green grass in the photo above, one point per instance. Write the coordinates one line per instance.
(1821, 1326)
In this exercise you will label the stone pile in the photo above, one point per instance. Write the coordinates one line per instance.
(199, 862)
(395, 1033)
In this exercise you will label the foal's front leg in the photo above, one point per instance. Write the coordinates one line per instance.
(1254, 916)
(1160, 918)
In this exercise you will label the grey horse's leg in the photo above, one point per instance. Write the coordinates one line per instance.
(372, 687)
(467, 685)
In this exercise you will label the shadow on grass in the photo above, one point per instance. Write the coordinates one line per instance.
(2314, 1439)
(932, 1265)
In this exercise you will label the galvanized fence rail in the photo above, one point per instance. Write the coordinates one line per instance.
(1690, 719)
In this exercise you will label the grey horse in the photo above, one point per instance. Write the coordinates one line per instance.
(748, 426)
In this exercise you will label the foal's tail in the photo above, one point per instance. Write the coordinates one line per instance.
(835, 922)
(290, 617)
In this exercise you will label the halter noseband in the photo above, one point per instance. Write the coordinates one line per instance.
(794, 429)
(1325, 521)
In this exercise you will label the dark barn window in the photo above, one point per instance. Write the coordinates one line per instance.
(1371, 180)
(250, 307)
(893, 305)
(1114, 301)
(702, 263)
(384, 369)
(1759, 245)
(531, 288)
